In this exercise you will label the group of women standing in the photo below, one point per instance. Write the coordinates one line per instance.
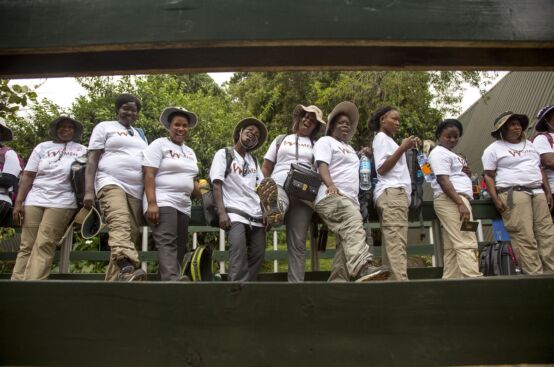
(132, 180)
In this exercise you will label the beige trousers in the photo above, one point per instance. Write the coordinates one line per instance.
(42, 230)
(123, 215)
(392, 207)
(460, 259)
(343, 218)
(529, 225)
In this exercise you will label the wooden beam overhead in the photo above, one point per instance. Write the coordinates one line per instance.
(94, 37)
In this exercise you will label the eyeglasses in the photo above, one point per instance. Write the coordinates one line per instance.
(245, 168)
(130, 131)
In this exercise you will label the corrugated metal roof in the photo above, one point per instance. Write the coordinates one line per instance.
(521, 92)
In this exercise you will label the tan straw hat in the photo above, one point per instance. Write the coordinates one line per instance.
(349, 109)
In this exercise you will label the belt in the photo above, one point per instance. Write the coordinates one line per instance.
(244, 215)
(510, 190)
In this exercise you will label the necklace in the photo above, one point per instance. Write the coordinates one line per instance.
(515, 150)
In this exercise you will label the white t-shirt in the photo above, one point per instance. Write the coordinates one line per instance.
(177, 167)
(51, 187)
(239, 192)
(543, 146)
(343, 167)
(11, 166)
(399, 176)
(446, 162)
(515, 164)
(121, 162)
(287, 155)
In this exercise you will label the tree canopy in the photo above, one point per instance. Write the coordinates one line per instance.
(423, 99)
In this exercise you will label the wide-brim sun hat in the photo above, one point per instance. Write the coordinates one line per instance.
(541, 118)
(507, 116)
(299, 111)
(53, 129)
(248, 122)
(5, 132)
(191, 116)
(349, 109)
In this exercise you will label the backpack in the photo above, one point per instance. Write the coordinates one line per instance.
(208, 201)
(416, 203)
(498, 258)
(3, 150)
(77, 178)
(198, 265)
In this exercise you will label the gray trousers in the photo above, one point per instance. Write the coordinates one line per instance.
(171, 236)
(246, 251)
(297, 221)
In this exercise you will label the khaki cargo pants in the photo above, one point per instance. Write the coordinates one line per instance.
(392, 207)
(529, 225)
(123, 215)
(343, 218)
(460, 259)
(42, 230)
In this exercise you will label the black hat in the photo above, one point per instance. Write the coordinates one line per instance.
(53, 129)
(505, 117)
(247, 122)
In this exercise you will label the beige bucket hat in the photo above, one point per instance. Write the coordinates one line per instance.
(350, 110)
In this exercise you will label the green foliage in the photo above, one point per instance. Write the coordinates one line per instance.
(217, 114)
(423, 98)
(13, 98)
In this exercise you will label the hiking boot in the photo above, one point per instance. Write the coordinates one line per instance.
(370, 273)
(269, 197)
(130, 274)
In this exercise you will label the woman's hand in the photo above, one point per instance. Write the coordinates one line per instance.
(464, 212)
(367, 152)
(224, 221)
(549, 201)
(153, 214)
(409, 143)
(332, 190)
(88, 200)
(18, 213)
(500, 206)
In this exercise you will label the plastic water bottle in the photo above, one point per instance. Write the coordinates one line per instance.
(365, 173)
(423, 162)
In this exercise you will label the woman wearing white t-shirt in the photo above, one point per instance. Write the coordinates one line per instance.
(393, 188)
(518, 188)
(237, 202)
(10, 168)
(170, 168)
(45, 201)
(452, 191)
(114, 175)
(337, 199)
(544, 142)
(283, 151)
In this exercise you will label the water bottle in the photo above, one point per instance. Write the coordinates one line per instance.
(365, 173)
(423, 162)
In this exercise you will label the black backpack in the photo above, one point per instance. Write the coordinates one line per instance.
(415, 212)
(498, 258)
(77, 178)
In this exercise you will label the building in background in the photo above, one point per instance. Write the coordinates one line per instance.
(520, 92)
